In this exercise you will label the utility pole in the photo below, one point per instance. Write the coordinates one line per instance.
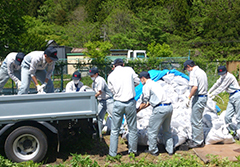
(104, 33)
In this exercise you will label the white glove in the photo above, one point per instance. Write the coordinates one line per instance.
(19, 83)
(39, 88)
(188, 102)
(211, 96)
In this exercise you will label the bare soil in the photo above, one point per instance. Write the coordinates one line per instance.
(98, 151)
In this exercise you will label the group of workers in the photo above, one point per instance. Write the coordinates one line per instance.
(199, 91)
(116, 97)
(36, 65)
(121, 83)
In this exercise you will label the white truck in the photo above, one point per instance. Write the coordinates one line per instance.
(132, 54)
(29, 123)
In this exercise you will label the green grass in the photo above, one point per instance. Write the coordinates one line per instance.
(177, 160)
(222, 101)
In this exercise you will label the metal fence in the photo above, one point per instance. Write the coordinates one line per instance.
(62, 75)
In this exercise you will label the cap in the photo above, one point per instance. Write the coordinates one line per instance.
(118, 61)
(93, 71)
(222, 70)
(19, 58)
(76, 75)
(51, 53)
(144, 74)
(188, 62)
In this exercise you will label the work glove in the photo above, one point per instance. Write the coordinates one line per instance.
(19, 83)
(39, 88)
(188, 102)
(211, 96)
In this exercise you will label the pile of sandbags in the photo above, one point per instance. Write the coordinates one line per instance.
(176, 87)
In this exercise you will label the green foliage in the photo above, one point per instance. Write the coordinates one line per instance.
(97, 49)
(7, 163)
(214, 159)
(79, 160)
(158, 50)
(57, 11)
(12, 25)
(208, 27)
(31, 7)
(113, 159)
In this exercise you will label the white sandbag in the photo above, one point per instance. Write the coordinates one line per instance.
(174, 97)
(168, 78)
(211, 106)
(179, 136)
(220, 135)
(228, 138)
(181, 89)
(217, 123)
(179, 80)
(214, 136)
(146, 112)
(208, 118)
(222, 116)
(86, 88)
(174, 85)
(161, 82)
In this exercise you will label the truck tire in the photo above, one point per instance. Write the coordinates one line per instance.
(26, 143)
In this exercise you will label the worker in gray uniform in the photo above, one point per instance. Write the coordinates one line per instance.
(74, 85)
(11, 68)
(122, 81)
(227, 82)
(103, 94)
(38, 65)
(199, 86)
(153, 94)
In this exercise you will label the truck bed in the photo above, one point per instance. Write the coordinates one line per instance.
(47, 107)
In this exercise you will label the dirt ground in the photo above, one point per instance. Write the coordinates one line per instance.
(98, 151)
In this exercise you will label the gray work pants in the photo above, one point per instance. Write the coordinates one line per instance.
(233, 107)
(4, 77)
(129, 109)
(161, 116)
(103, 107)
(26, 79)
(198, 104)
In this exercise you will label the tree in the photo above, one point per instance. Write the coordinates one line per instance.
(12, 25)
(98, 51)
(158, 50)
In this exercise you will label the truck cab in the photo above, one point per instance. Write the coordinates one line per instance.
(133, 54)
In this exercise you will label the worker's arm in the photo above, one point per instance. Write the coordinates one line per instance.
(193, 91)
(142, 106)
(98, 93)
(34, 78)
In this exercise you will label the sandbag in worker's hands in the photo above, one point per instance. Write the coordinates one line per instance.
(40, 89)
(19, 83)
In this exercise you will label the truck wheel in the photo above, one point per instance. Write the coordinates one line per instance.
(26, 143)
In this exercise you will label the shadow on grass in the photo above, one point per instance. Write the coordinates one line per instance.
(82, 144)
